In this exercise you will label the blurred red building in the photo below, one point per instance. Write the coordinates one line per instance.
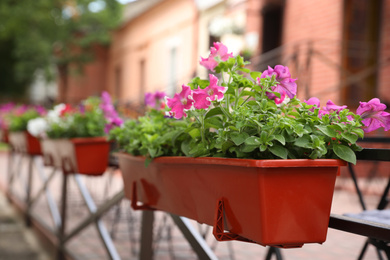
(338, 49)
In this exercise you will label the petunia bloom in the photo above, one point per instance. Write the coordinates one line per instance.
(286, 85)
(154, 100)
(109, 112)
(180, 102)
(330, 106)
(373, 115)
(67, 109)
(281, 99)
(203, 97)
(313, 101)
(219, 50)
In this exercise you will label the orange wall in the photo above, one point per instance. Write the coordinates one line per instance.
(150, 37)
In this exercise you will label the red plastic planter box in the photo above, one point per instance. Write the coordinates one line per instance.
(4, 136)
(284, 203)
(77, 155)
(24, 142)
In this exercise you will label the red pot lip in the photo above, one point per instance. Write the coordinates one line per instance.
(80, 140)
(265, 163)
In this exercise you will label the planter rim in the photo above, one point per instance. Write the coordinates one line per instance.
(264, 163)
(80, 140)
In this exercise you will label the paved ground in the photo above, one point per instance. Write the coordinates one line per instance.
(18, 242)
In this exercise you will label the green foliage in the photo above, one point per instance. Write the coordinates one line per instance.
(245, 124)
(37, 34)
(152, 135)
(19, 122)
(76, 123)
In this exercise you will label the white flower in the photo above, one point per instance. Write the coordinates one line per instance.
(37, 127)
(54, 114)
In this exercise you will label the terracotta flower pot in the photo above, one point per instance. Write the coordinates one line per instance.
(4, 136)
(24, 142)
(87, 155)
(283, 203)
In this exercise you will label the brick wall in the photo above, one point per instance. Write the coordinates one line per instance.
(384, 55)
(82, 82)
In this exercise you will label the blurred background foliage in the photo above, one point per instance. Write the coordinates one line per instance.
(40, 34)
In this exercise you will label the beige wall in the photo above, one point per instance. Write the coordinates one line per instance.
(151, 37)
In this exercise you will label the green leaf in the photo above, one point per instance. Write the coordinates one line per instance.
(239, 138)
(244, 70)
(247, 93)
(213, 112)
(359, 132)
(328, 131)
(303, 141)
(279, 151)
(213, 122)
(337, 127)
(255, 75)
(299, 129)
(345, 153)
(226, 145)
(280, 138)
(352, 138)
(263, 137)
(248, 148)
(253, 140)
(195, 132)
(263, 147)
(152, 152)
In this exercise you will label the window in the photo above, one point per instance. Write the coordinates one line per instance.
(118, 82)
(171, 89)
(142, 80)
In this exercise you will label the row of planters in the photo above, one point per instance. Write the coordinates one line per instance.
(73, 138)
(238, 151)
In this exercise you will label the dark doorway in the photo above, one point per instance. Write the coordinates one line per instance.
(360, 50)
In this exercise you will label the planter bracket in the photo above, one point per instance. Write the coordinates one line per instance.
(219, 228)
(134, 200)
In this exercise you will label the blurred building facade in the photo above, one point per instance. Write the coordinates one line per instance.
(338, 49)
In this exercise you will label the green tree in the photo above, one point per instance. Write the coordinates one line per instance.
(37, 34)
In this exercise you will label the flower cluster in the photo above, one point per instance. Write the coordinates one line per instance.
(20, 115)
(113, 120)
(5, 111)
(155, 100)
(91, 118)
(219, 51)
(249, 114)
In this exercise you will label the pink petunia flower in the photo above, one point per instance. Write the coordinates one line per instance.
(180, 102)
(313, 101)
(219, 50)
(154, 100)
(281, 99)
(109, 112)
(330, 106)
(373, 115)
(212, 92)
(285, 84)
